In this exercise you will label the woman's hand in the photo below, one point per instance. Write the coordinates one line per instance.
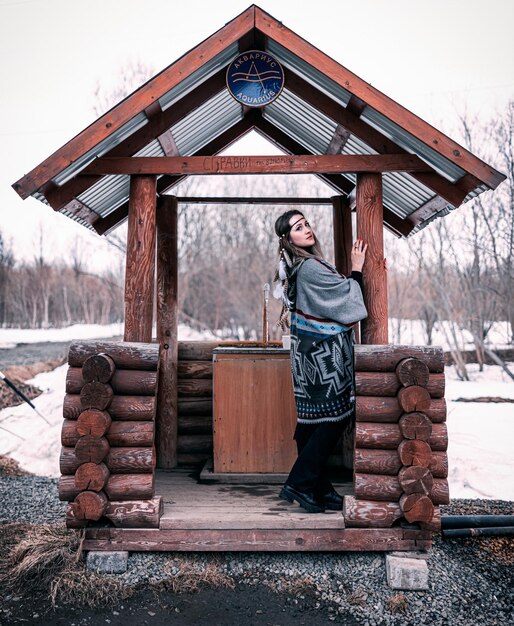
(358, 255)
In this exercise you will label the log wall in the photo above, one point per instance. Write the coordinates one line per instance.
(108, 459)
(108, 456)
(195, 412)
(400, 459)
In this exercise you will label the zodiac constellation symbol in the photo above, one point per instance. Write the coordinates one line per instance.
(254, 76)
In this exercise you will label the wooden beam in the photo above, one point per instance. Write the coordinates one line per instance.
(369, 228)
(431, 206)
(339, 139)
(338, 182)
(355, 105)
(426, 133)
(258, 540)
(302, 164)
(140, 266)
(168, 144)
(167, 332)
(343, 238)
(452, 192)
(232, 134)
(284, 142)
(81, 210)
(154, 89)
(250, 200)
(158, 126)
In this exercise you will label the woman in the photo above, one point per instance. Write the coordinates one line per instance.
(324, 306)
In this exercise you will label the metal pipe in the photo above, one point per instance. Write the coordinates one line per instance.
(476, 521)
(497, 531)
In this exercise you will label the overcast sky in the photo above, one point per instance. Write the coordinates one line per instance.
(435, 57)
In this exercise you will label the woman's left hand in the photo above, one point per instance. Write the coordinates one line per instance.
(358, 255)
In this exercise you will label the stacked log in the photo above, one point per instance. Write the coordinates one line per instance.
(400, 460)
(108, 456)
(195, 437)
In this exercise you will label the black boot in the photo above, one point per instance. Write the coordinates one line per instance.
(331, 500)
(305, 499)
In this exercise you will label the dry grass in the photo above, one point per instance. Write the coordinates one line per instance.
(192, 576)
(33, 554)
(78, 587)
(10, 467)
(357, 598)
(47, 558)
(296, 586)
(398, 603)
(20, 373)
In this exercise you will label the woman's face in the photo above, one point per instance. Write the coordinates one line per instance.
(301, 232)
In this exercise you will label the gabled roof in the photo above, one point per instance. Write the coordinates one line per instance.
(324, 108)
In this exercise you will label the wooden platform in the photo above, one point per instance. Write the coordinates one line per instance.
(246, 517)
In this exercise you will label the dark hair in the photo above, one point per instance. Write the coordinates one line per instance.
(282, 229)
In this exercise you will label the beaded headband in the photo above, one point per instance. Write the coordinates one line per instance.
(290, 227)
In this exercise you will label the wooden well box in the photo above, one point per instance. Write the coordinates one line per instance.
(253, 410)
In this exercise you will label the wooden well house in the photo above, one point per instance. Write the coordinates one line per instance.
(141, 417)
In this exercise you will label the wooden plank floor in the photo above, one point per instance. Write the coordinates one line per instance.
(224, 517)
(190, 505)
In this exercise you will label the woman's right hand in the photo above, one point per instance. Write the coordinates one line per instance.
(358, 255)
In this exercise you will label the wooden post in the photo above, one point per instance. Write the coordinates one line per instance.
(140, 267)
(342, 226)
(370, 218)
(167, 333)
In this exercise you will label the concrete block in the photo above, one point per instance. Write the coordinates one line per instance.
(411, 554)
(406, 573)
(107, 562)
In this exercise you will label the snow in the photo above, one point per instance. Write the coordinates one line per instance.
(412, 333)
(480, 451)
(12, 336)
(9, 337)
(480, 435)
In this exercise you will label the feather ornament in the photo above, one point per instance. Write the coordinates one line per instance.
(282, 269)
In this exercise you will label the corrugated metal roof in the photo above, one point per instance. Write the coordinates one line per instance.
(412, 144)
(304, 123)
(138, 121)
(309, 73)
(112, 191)
(311, 128)
(314, 131)
(102, 148)
(199, 76)
(206, 122)
(448, 209)
(301, 121)
(190, 134)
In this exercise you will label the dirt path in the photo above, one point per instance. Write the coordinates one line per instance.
(29, 353)
(255, 605)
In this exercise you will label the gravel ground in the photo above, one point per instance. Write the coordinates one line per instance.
(470, 581)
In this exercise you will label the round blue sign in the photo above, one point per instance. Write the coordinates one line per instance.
(255, 78)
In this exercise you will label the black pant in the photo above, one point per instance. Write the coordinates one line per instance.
(315, 443)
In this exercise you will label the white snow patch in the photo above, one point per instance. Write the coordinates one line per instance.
(13, 336)
(10, 337)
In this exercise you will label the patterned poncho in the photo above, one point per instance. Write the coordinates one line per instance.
(322, 355)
